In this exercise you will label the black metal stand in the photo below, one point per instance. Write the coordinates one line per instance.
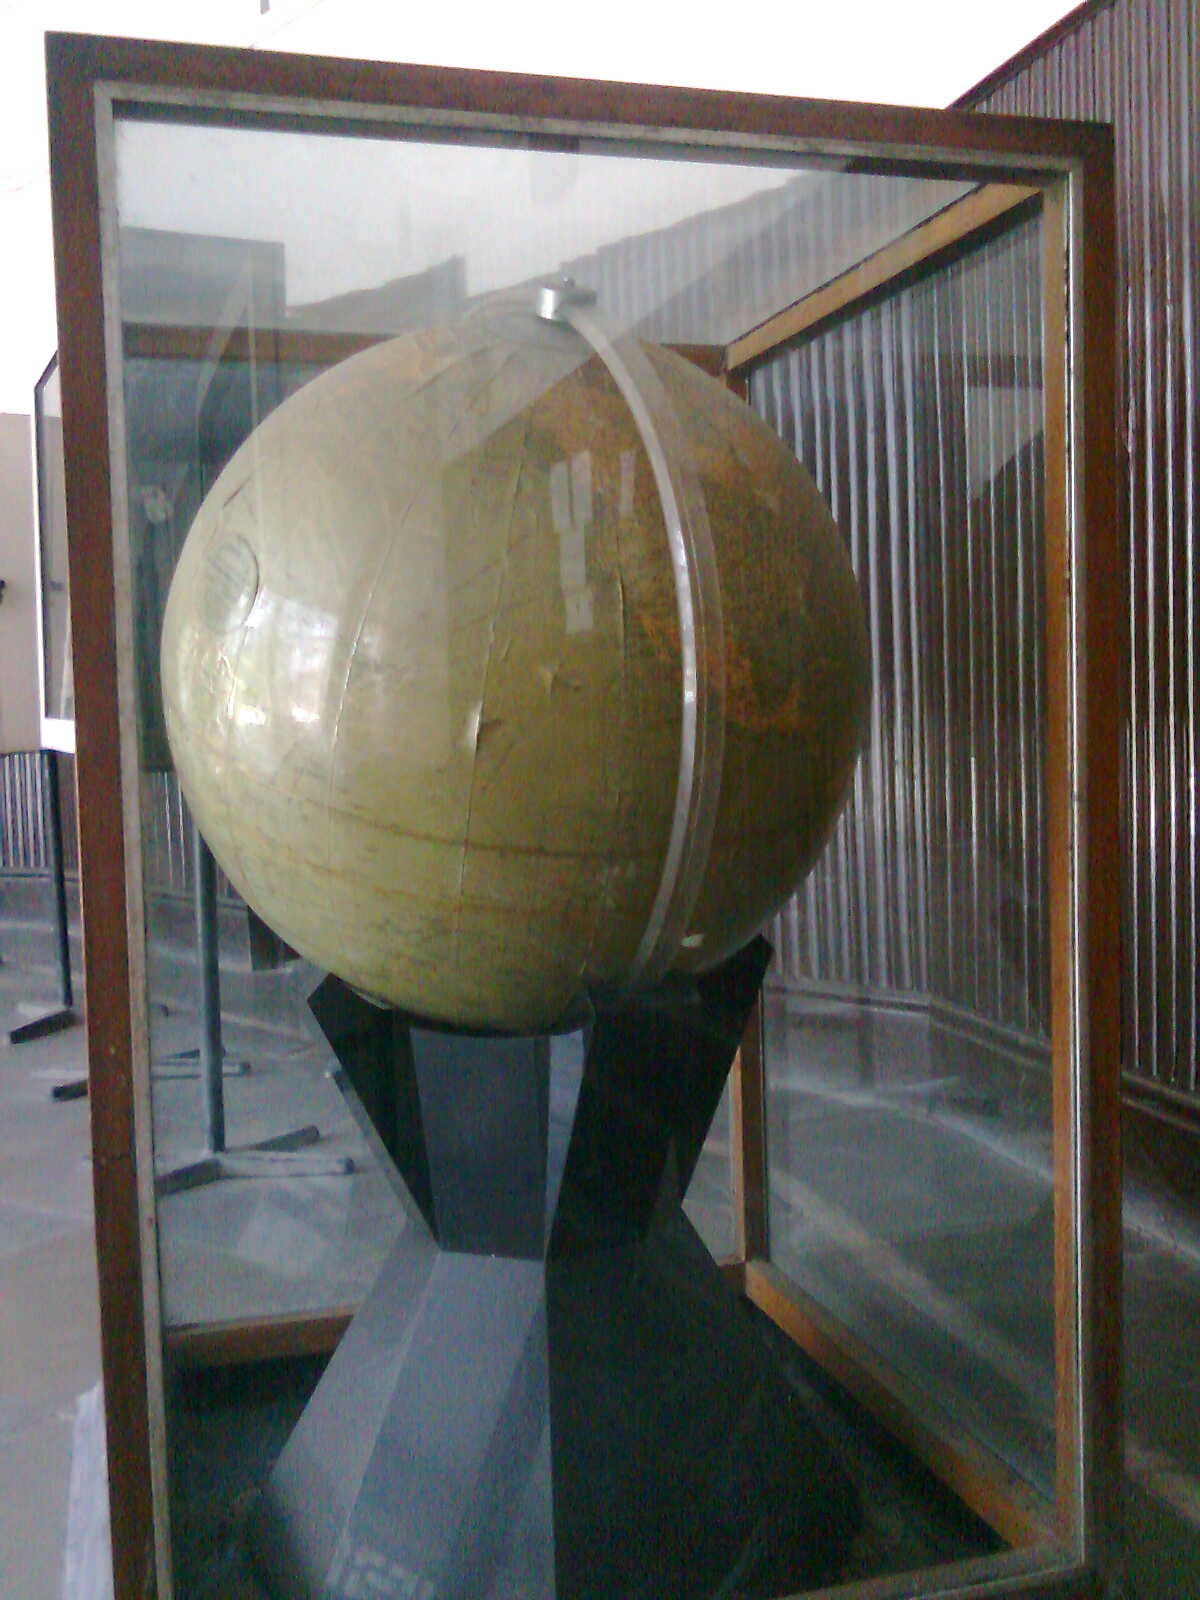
(212, 1052)
(63, 1015)
(286, 1155)
(552, 1393)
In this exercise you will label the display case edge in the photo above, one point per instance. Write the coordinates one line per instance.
(76, 65)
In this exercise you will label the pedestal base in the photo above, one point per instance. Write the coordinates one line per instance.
(551, 1392)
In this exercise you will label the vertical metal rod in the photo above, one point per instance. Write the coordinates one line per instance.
(58, 881)
(749, 1181)
(211, 1051)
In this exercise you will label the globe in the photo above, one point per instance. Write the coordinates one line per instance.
(422, 662)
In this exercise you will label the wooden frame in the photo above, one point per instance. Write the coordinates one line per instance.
(92, 79)
(964, 224)
(1085, 1116)
(984, 1482)
(230, 1344)
(996, 1494)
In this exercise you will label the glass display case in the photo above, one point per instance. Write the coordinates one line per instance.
(567, 578)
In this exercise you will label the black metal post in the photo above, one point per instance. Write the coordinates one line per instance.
(281, 1155)
(212, 1054)
(58, 879)
(63, 1016)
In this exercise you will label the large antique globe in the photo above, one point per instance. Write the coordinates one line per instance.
(422, 670)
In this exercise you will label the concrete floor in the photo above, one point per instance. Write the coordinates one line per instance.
(49, 1329)
(49, 1353)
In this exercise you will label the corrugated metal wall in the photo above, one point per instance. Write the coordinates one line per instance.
(1136, 63)
(920, 420)
(23, 847)
(22, 843)
(166, 835)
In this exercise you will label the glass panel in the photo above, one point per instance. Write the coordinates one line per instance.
(908, 1015)
(309, 1231)
(52, 546)
(376, 235)
(525, 605)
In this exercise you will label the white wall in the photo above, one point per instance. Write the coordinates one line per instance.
(20, 710)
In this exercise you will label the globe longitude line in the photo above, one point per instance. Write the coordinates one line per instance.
(698, 601)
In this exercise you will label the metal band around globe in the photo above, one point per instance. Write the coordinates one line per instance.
(701, 626)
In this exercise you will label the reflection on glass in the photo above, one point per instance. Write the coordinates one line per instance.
(907, 1025)
(253, 261)
(379, 235)
(57, 682)
(285, 1242)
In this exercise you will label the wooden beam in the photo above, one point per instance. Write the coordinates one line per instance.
(1100, 683)
(1000, 1577)
(921, 248)
(163, 341)
(304, 346)
(230, 1344)
(1061, 786)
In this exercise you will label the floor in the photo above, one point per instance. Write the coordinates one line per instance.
(49, 1331)
(49, 1357)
